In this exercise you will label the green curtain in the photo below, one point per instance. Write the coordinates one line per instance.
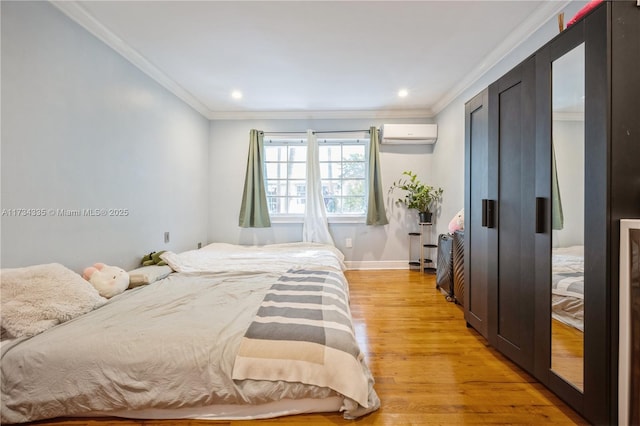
(376, 213)
(557, 217)
(254, 212)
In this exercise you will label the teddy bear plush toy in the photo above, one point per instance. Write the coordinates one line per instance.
(153, 258)
(108, 280)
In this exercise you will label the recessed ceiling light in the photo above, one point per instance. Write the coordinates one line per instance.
(403, 93)
(236, 94)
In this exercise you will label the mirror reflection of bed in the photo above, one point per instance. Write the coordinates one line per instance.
(567, 312)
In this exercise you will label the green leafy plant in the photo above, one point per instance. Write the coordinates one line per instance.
(417, 195)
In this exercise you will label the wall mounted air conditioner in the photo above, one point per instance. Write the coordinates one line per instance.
(409, 134)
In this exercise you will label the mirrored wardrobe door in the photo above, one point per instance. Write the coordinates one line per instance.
(561, 152)
(567, 216)
(572, 285)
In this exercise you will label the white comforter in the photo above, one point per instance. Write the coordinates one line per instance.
(222, 257)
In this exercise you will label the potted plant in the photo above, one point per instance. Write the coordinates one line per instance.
(419, 196)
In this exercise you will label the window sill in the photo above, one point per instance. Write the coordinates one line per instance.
(331, 219)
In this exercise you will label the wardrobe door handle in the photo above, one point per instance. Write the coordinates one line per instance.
(491, 213)
(484, 212)
(539, 215)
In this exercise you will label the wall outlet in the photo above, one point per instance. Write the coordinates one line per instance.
(348, 243)
(166, 237)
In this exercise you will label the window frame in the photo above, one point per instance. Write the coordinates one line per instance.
(336, 141)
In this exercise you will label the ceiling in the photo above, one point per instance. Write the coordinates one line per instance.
(313, 58)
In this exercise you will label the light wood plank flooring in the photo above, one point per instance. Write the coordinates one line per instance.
(430, 369)
(567, 352)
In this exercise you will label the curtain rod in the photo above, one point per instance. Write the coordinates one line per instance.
(316, 132)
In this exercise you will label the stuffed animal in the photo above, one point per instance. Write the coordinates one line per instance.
(153, 258)
(108, 280)
(457, 223)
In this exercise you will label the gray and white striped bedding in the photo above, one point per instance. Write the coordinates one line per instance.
(303, 333)
(567, 286)
(567, 278)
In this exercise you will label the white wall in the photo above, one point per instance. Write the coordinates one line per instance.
(569, 148)
(385, 245)
(448, 158)
(82, 128)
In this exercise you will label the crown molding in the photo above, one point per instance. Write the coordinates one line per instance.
(338, 114)
(83, 18)
(541, 16)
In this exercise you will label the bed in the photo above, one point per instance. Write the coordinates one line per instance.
(236, 332)
(567, 286)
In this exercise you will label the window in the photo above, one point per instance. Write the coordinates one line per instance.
(285, 174)
(343, 170)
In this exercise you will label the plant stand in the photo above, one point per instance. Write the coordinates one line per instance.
(425, 247)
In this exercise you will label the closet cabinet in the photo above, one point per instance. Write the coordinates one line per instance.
(476, 195)
(550, 171)
(512, 192)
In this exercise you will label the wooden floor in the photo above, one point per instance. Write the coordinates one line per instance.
(567, 353)
(430, 369)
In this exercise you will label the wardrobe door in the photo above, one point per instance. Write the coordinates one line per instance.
(605, 152)
(560, 243)
(512, 192)
(476, 195)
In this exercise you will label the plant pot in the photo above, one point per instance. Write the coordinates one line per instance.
(424, 217)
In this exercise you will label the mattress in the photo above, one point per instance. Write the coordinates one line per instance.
(170, 349)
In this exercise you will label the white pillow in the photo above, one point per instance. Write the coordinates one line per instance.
(148, 274)
(35, 298)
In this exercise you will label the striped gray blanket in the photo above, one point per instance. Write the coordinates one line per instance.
(303, 332)
(568, 284)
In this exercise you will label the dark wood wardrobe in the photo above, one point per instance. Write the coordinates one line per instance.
(476, 260)
(552, 165)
